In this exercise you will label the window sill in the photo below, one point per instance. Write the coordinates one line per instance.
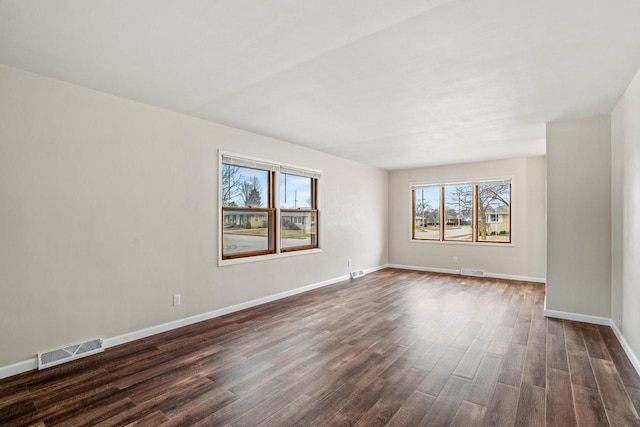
(453, 242)
(226, 262)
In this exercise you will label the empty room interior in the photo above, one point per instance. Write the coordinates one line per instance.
(320, 213)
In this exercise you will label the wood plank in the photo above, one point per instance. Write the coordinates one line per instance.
(634, 394)
(321, 411)
(22, 412)
(574, 339)
(595, 345)
(520, 334)
(433, 353)
(488, 330)
(589, 408)
(625, 369)
(445, 407)
(100, 414)
(512, 365)
(618, 404)
(469, 414)
(581, 372)
(398, 368)
(413, 411)
(538, 332)
(510, 316)
(57, 411)
(531, 406)
(392, 399)
(472, 358)
(555, 326)
(361, 402)
(153, 419)
(501, 339)
(206, 415)
(502, 406)
(436, 379)
(465, 338)
(535, 365)
(557, 352)
(559, 403)
(484, 382)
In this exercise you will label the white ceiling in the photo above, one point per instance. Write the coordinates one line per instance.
(391, 83)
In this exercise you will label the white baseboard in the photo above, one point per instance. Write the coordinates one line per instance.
(625, 345)
(378, 268)
(585, 318)
(605, 321)
(18, 368)
(28, 365)
(486, 274)
(518, 278)
(429, 269)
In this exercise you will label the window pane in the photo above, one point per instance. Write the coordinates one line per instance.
(296, 192)
(247, 232)
(244, 187)
(494, 212)
(458, 204)
(298, 229)
(426, 213)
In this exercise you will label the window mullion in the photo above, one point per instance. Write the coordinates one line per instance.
(474, 231)
(442, 214)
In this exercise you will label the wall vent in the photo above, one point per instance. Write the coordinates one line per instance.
(356, 274)
(58, 356)
(471, 272)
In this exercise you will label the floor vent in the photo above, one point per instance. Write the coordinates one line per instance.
(66, 354)
(356, 274)
(471, 272)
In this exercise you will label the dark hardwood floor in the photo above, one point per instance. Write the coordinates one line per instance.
(397, 348)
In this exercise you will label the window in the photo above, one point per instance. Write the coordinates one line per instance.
(426, 213)
(298, 213)
(494, 212)
(458, 203)
(466, 212)
(248, 215)
(251, 220)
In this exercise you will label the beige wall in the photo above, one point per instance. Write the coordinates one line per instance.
(525, 258)
(579, 216)
(109, 208)
(625, 194)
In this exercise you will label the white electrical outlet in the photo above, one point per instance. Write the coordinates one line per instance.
(455, 259)
(176, 300)
(348, 263)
